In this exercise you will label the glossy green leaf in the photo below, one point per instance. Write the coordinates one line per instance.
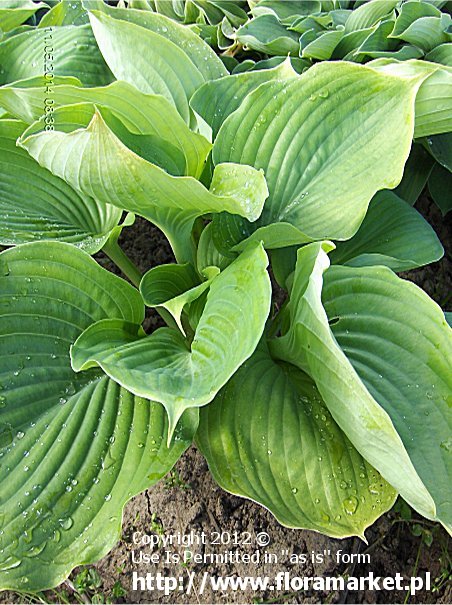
(423, 25)
(415, 174)
(323, 46)
(369, 14)
(201, 55)
(70, 51)
(267, 35)
(434, 104)
(268, 436)
(441, 54)
(65, 12)
(410, 12)
(392, 234)
(216, 100)
(440, 186)
(405, 339)
(156, 62)
(216, 10)
(440, 147)
(233, 234)
(74, 447)
(95, 161)
(349, 43)
(313, 154)
(15, 12)
(402, 54)
(367, 364)
(180, 374)
(44, 206)
(377, 41)
(172, 287)
(286, 11)
(433, 107)
(140, 113)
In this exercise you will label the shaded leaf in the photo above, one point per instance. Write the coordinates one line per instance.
(317, 480)
(392, 234)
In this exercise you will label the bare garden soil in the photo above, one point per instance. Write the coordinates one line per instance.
(188, 500)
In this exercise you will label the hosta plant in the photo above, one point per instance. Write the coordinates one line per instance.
(322, 408)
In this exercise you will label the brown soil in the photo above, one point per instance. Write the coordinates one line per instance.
(189, 500)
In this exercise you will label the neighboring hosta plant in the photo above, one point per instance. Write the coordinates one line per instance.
(324, 411)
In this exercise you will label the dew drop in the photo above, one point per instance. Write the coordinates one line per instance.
(350, 505)
(294, 490)
(66, 522)
(373, 488)
(10, 563)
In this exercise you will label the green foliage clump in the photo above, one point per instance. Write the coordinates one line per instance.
(251, 162)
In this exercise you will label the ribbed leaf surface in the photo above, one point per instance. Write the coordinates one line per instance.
(74, 447)
(419, 345)
(43, 206)
(72, 51)
(96, 162)
(268, 436)
(167, 368)
(314, 141)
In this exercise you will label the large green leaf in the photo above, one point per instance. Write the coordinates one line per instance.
(167, 368)
(410, 12)
(392, 234)
(389, 327)
(267, 35)
(15, 12)
(315, 136)
(196, 50)
(217, 99)
(35, 204)
(269, 436)
(163, 57)
(140, 113)
(95, 161)
(433, 108)
(369, 14)
(382, 369)
(70, 51)
(74, 447)
(65, 12)
(423, 25)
